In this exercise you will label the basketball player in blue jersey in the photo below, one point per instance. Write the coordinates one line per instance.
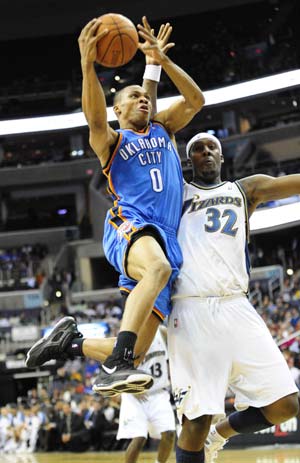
(145, 179)
(216, 339)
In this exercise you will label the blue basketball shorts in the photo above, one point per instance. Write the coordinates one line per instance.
(120, 232)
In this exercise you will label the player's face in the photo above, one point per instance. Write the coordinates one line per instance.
(206, 159)
(135, 105)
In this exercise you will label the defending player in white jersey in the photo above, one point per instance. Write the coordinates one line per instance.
(216, 339)
(152, 413)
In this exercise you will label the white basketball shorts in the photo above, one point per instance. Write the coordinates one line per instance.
(215, 343)
(151, 414)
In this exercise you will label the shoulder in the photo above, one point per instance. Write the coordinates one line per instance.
(252, 183)
(254, 187)
(159, 124)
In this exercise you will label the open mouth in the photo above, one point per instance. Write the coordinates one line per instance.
(143, 108)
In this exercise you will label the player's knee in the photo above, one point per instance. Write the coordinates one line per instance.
(197, 428)
(161, 269)
(136, 445)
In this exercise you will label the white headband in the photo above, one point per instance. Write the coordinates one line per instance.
(200, 136)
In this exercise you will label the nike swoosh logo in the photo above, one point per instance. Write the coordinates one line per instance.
(109, 371)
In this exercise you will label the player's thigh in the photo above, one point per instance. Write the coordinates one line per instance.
(283, 409)
(143, 253)
(260, 375)
(200, 359)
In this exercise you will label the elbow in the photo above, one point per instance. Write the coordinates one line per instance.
(198, 102)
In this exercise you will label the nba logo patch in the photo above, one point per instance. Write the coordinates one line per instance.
(124, 228)
(175, 322)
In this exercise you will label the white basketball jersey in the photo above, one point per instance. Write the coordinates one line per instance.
(155, 363)
(213, 236)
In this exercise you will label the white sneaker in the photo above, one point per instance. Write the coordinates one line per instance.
(214, 442)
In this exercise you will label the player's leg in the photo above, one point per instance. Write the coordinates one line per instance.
(255, 419)
(65, 341)
(260, 379)
(282, 410)
(248, 421)
(100, 349)
(146, 263)
(166, 446)
(134, 449)
(190, 444)
(202, 356)
(161, 422)
(133, 425)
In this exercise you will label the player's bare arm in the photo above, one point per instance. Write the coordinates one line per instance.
(260, 188)
(102, 136)
(180, 113)
(163, 36)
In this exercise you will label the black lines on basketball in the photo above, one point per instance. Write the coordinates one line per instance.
(120, 44)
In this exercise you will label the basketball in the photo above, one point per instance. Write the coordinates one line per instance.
(120, 45)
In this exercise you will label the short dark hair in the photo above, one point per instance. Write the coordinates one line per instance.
(118, 96)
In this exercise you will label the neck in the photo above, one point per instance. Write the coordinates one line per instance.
(127, 125)
(207, 181)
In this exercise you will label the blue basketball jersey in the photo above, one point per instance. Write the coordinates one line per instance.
(145, 176)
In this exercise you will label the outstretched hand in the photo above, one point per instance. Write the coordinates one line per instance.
(155, 47)
(88, 39)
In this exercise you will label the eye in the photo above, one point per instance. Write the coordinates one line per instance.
(199, 147)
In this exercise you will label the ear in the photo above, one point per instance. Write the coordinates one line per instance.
(222, 158)
(117, 110)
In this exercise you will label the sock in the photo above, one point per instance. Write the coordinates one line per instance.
(187, 456)
(75, 348)
(247, 421)
(124, 348)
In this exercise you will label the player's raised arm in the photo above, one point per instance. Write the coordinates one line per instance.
(180, 113)
(260, 188)
(102, 136)
(153, 68)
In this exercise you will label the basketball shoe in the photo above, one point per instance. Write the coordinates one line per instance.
(214, 442)
(121, 376)
(54, 344)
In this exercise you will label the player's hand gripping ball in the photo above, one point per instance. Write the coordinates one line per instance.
(120, 44)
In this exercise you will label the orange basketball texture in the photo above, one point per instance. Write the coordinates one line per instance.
(120, 45)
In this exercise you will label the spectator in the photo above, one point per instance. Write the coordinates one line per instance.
(74, 435)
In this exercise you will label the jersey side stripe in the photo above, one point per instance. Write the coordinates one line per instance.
(106, 169)
(246, 210)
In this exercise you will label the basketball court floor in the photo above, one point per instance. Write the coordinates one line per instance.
(282, 454)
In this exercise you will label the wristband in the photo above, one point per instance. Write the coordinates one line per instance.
(152, 72)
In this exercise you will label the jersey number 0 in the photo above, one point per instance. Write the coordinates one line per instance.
(156, 178)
